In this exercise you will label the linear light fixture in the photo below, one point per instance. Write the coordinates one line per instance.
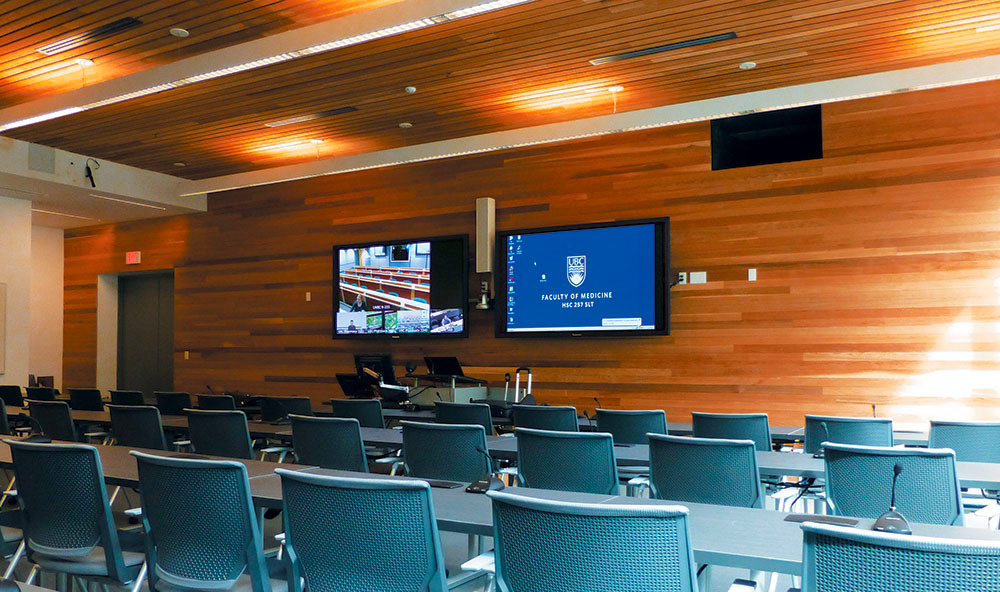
(638, 53)
(126, 201)
(985, 28)
(105, 30)
(290, 145)
(282, 57)
(41, 211)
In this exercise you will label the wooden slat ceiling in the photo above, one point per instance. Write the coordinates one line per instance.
(508, 69)
(26, 74)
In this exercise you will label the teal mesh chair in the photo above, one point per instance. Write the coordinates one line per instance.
(329, 442)
(172, 403)
(836, 558)
(137, 426)
(54, 418)
(568, 461)
(279, 408)
(733, 426)
(85, 399)
(11, 395)
(859, 483)
(465, 413)
(216, 402)
(220, 433)
(705, 470)
(68, 523)
(863, 431)
(629, 426)
(366, 411)
(385, 534)
(576, 547)
(972, 441)
(544, 417)
(127, 398)
(4, 421)
(41, 393)
(201, 528)
(453, 452)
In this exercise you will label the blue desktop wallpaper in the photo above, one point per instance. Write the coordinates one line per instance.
(581, 280)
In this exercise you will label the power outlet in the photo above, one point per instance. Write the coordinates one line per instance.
(682, 277)
(309, 296)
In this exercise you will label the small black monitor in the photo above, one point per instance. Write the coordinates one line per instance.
(354, 387)
(444, 365)
(47, 381)
(379, 363)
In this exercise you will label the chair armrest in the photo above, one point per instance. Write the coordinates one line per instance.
(743, 586)
(275, 449)
(135, 512)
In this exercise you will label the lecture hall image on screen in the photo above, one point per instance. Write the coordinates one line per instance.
(386, 289)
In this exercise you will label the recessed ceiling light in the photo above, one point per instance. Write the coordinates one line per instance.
(410, 90)
(180, 164)
(310, 116)
(638, 53)
(41, 211)
(179, 32)
(615, 89)
(127, 201)
(985, 28)
(406, 125)
(293, 145)
(83, 62)
(748, 65)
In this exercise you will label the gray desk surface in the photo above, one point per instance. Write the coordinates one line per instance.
(720, 535)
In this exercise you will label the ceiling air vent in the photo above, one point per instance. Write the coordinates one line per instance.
(628, 55)
(105, 30)
(310, 116)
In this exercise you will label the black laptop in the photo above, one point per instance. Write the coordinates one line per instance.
(443, 366)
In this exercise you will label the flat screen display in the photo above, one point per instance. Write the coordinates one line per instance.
(603, 280)
(399, 289)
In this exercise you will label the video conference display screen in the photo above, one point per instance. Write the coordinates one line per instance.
(399, 289)
(602, 280)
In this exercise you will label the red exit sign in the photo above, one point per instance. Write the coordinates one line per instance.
(133, 258)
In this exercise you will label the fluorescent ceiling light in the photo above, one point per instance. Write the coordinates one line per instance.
(126, 201)
(105, 30)
(41, 211)
(267, 61)
(290, 145)
(985, 28)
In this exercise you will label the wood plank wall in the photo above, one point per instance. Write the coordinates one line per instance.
(878, 267)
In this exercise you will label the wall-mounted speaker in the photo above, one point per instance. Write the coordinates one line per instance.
(486, 219)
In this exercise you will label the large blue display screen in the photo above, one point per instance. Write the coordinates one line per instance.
(593, 279)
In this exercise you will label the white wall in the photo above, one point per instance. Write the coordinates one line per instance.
(46, 341)
(15, 271)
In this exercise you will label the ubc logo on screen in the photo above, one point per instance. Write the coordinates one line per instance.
(576, 269)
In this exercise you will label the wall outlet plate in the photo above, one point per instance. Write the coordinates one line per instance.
(682, 277)
(698, 277)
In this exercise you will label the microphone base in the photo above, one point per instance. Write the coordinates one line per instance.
(484, 484)
(893, 522)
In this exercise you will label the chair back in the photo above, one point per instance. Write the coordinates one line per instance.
(41, 393)
(569, 461)
(11, 395)
(841, 558)
(544, 417)
(630, 426)
(859, 483)
(567, 547)
(137, 426)
(220, 433)
(705, 470)
(127, 398)
(373, 517)
(860, 431)
(329, 442)
(85, 399)
(276, 408)
(972, 441)
(54, 418)
(445, 451)
(64, 503)
(367, 411)
(171, 403)
(4, 422)
(465, 413)
(201, 529)
(216, 402)
(733, 426)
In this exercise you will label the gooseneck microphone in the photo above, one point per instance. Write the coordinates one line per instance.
(487, 482)
(892, 521)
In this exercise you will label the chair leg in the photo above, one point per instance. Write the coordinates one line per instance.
(114, 495)
(8, 491)
(31, 574)
(139, 578)
(13, 561)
